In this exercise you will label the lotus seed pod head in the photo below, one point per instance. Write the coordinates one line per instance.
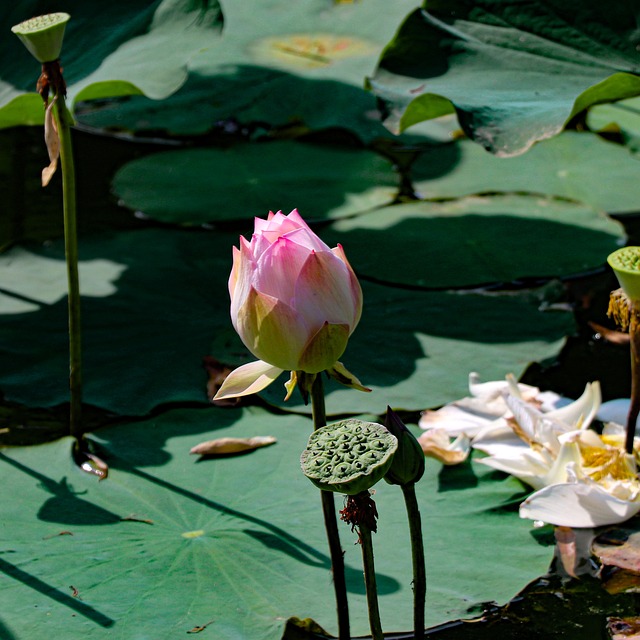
(43, 35)
(408, 462)
(349, 456)
(625, 263)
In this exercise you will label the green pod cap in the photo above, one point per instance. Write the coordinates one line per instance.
(625, 263)
(349, 456)
(43, 35)
(408, 462)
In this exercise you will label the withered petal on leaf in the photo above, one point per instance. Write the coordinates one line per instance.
(231, 445)
(52, 141)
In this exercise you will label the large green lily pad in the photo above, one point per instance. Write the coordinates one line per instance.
(577, 166)
(514, 73)
(476, 240)
(168, 544)
(205, 185)
(145, 338)
(279, 63)
(110, 49)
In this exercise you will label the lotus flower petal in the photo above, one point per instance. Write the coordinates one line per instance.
(497, 388)
(324, 348)
(324, 290)
(272, 330)
(436, 444)
(578, 504)
(247, 379)
(582, 411)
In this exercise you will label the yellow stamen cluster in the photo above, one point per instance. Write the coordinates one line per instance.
(620, 309)
(608, 462)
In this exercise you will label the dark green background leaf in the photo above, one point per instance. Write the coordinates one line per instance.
(205, 185)
(111, 49)
(476, 240)
(146, 335)
(514, 72)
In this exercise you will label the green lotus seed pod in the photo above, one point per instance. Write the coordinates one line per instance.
(43, 35)
(625, 263)
(349, 456)
(408, 461)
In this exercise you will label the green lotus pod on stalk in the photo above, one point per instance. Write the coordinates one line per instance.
(408, 462)
(625, 263)
(43, 35)
(349, 456)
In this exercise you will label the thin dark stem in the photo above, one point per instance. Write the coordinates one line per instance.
(63, 119)
(331, 523)
(370, 581)
(634, 407)
(417, 557)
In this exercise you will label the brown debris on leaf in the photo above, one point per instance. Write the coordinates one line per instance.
(217, 372)
(624, 628)
(618, 551)
(226, 446)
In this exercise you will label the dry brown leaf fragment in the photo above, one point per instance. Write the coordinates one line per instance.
(619, 548)
(610, 335)
(621, 581)
(221, 446)
(135, 518)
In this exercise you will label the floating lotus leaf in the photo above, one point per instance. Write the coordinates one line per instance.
(322, 182)
(278, 65)
(514, 73)
(167, 545)
(476, 240)
(577, 166)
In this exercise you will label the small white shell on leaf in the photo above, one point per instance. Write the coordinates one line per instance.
(231, 445)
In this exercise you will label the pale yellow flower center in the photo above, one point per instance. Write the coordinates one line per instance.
(601, 463)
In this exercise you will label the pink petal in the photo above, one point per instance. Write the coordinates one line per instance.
(240, 279)
(324, 292)
(278, 267)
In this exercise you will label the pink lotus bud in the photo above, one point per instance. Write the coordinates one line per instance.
(294, 300)
(294, 303)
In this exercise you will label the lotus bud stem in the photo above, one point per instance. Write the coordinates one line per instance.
(625, 263)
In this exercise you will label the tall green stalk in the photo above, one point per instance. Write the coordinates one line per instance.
(371, 587)
(63, 121)
(417, 558)
(331, 522)
(634, 405)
